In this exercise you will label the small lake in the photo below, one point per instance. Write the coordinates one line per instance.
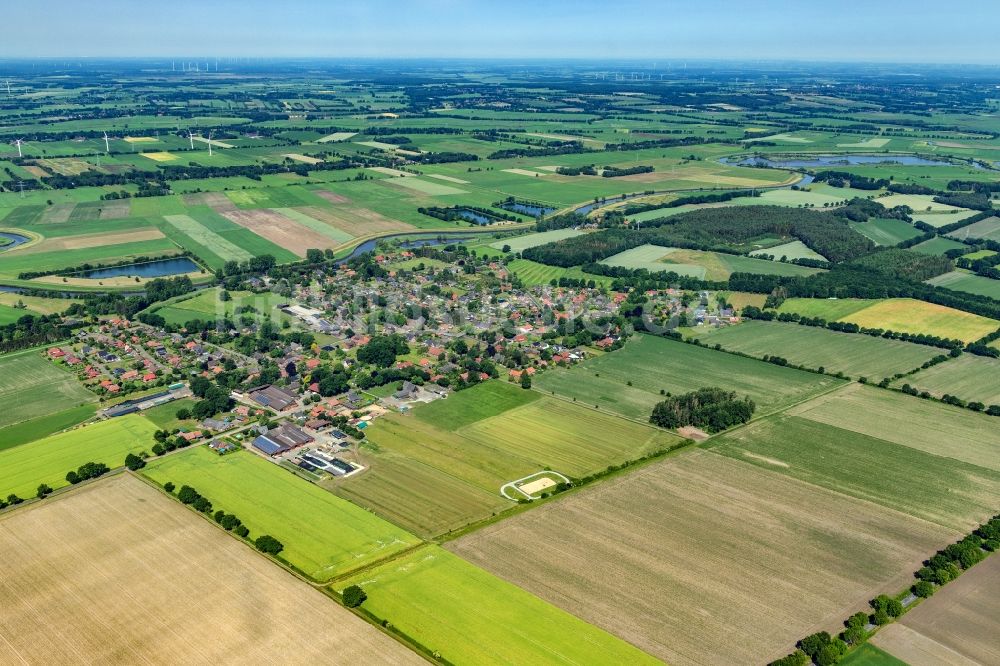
(473, 216)
(149, 269)
(834, 160)
(525, 209)
(15, 240)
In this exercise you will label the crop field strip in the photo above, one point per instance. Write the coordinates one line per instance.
(756, 559)
(324, 536)
(653, 364)
(469, 616)
(71, 566)
(971, 378)
(959, 280)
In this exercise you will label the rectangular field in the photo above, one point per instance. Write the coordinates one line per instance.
(653, 364)
(471, 617)
(886, 231)
(853, 354)
(971, 378)
(988, 229)
(70, 592)
(958, 625)
(32, 386)
(521, 243)
(283, 231)
(424, 186)
(324, 536)
(48, 460)
(795, 249)
(533, 273)
(950, 482)
(734, 562)
(968, 282)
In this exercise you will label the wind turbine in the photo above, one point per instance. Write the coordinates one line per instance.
(18, 143)
(107, 146)
(7, 81)
(210, 142)
(191, 139)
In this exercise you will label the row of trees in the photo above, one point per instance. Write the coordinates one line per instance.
(944, 566)
(230, 522)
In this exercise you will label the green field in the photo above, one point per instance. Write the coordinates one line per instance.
(937, 245)
(894, 450)
(469, 616)
(854, 354)
(988, 229)
(886, 231)
(830, 309)
(324, 536)
(48, 460)
(533, 273)
(206, 305)
(43, 426)
(32, 386)
(442, 467)
(971, 378)
(521, 243)
(705, 265)
(968, 282)
(795, 249)
(653, 364)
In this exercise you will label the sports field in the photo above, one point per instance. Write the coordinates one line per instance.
(118, 573)
(32, 386)
(734, 562)
(47, 460)
(899, 452)
(324, 536)
(955, 626)
(971, 378)
(472, 617)
(653, 364)
(853, 354)
(902, 315)
(968, 282)
(442, 467)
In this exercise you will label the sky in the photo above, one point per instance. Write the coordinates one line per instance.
(846, 30)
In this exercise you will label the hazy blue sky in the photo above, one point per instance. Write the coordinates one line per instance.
(884, 30)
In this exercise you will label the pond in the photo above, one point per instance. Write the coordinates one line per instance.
(473, 216)
(149, 269)
(15, 240)
(527, 209)
(833, 160)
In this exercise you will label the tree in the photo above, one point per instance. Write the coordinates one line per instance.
(268, 544)
(134, 462)
(354, 596)
(169, 486)
(813, 643)
(382, 350)
(183, 414)
(43, 491)
(525, 380)
(923, 589)
(314, 256)
(797, 658)
(187, 494)
(73, 478)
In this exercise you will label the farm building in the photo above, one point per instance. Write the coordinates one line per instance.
(281, 439)
(273, 397)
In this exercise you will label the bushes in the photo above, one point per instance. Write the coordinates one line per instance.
(354, 596)
(268, 544)
(86, 471)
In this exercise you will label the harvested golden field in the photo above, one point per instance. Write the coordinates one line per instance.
(960, 624)
(907, 315)
(279, 229)
(117, 573)
(703, 560)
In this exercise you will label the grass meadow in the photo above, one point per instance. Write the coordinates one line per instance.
(533, 273)
(31, 386)
(968, 282)
(629, 381)
(971, 378)
(324, 536)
